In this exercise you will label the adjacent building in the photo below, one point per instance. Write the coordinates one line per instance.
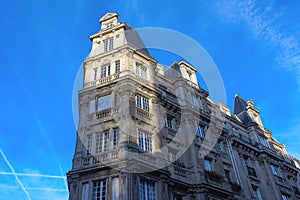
(153, 134)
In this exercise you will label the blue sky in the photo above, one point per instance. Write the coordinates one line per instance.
(43, 43)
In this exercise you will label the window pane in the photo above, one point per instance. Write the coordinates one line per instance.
(116, 138)
(111, 43)
(115, 188)
(100, 190)
(104, 102)
(95, 74)
(147, 190)
(201, 131)
(89, 145)
(117, 66)
(92, 106)
(208, 165)
(85, 191)
(145, 141)
(105, 45)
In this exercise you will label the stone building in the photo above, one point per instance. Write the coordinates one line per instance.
(148, 133)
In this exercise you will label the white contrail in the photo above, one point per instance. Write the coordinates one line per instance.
(33, 175)
(49, 189)
(45, 189)
(13, 171)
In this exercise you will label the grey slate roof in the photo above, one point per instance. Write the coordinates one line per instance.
(240, 110)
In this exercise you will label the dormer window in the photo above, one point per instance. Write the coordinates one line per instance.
(108, 44)
(274, 169)
(108, 26)
(190, 76)
(263, 141)
(141, 70)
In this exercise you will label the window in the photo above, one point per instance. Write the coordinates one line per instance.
(147, 190)
(194, 100)
(85, 191)
(105, 45)
(274, 170)
(88, 144)
(108, 44)
(116, 99)
(115, 138)
(141, 70)
(251, 171)
(105, 71)
(92, 106)
(227, 174)
(257, 193)
(101, 142)
(100, 190)
(176, 197)
(221, 145)
(263, 141)
(111, 43)
(104, 102)
(117, 66)
(171, 157)
(142, 102)
(296, 190)
(284, 197)
(115, 189)
(170, 123)
(207, 164)
(190, 76)
(95, 74)
(145, 142)
(201, 131)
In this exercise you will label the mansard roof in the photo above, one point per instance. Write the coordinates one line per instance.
(240, 110)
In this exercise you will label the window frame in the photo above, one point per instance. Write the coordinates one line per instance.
(116, 138)
(201, 131)
(117, 66)
(95, 73)
(263, 141)
(142, 102)
(141, 70)
(208, 164)
(145, 141)
(274, 170)
(105, 70)
(147, 190)
(105, 104)
(101, 142)
(101, 191)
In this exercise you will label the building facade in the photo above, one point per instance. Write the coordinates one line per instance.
(153, 134)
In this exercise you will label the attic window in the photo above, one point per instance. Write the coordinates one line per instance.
(108, 26)
(190, 76)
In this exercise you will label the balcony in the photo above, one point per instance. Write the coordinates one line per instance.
(180, 173)
(103, 114)
(143, 113)
(142, 80)
(103, 157)
(147, 157)
(102, 80)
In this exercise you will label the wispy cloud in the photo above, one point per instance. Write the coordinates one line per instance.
(16, 176)
(267, 23)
